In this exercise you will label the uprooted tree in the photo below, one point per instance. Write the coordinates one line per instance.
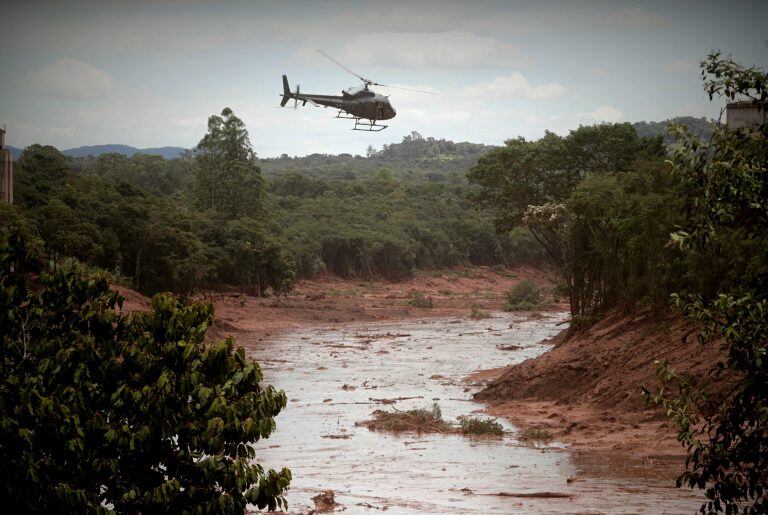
(102, 410)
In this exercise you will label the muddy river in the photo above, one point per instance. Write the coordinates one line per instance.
(335, 377)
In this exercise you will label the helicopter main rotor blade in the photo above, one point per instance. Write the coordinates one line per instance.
(343, 67)
(406, 89)
(369, 81)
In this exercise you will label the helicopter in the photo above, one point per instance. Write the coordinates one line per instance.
(358, 103)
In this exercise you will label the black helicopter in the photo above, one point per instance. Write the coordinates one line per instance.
(356, 103)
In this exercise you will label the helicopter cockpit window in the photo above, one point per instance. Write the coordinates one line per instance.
(353, 90)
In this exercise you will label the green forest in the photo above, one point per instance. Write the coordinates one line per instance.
(219, 216)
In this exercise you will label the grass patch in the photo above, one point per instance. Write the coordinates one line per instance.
(524, 296)
(480, 426)
(420, 300)
(535, 435)
(478, 314)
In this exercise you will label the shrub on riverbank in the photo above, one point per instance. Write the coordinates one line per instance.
(421, 300)
(478, 313)
(479, 426)
(524, 296)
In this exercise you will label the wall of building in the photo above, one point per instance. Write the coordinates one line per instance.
(745, 114)
(6, 171)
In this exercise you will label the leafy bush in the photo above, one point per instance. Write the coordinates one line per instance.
(479, 426)
(523, 296)
(131, 411)
(723, 420)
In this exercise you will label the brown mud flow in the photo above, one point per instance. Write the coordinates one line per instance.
(336, 377)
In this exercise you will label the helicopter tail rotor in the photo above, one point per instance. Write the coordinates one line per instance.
(296, 97)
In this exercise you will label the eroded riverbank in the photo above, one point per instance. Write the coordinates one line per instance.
(337, 376)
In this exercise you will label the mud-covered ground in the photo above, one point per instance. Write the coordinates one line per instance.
(338, 376)
(585, 391)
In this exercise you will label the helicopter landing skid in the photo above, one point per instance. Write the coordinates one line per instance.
(366, 126)
(369, 126)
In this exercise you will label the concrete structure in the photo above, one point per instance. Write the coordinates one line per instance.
(6, 171)
(745, 113)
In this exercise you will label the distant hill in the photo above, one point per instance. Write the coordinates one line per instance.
(415, 156)
(427, 157)
(97, 150)
(700, 127)
(15, 152)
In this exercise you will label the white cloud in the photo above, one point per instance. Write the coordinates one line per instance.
(453, 49)
(70, 79)
(514, 85)
(603, 114)
(681, 66)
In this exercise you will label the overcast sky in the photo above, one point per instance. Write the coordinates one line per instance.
(149, 74)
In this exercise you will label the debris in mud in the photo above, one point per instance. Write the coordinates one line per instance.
(437, 376)
(325, 502)
(508, 347)
(429, 421)
(370, 506)
(380, 336)
(337, 437)
(348, 387)
(419, 420)
(535, 435)
(394, 399)
(534, 495)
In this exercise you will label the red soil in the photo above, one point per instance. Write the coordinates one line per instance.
(329, 300)
(587, 389)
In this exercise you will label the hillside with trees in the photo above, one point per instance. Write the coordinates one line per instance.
(628, 233)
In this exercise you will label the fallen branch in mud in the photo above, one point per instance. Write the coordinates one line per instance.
(534, 495)
(524, 495)
(394, 399)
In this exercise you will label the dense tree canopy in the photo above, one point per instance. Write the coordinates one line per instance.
(102, 410)
(597, 200)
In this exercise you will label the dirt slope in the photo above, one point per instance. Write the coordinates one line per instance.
(586, 389)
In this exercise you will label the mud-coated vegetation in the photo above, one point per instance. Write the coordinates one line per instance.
(422, 420)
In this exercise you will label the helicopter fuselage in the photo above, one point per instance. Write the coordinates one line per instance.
(358, 102)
